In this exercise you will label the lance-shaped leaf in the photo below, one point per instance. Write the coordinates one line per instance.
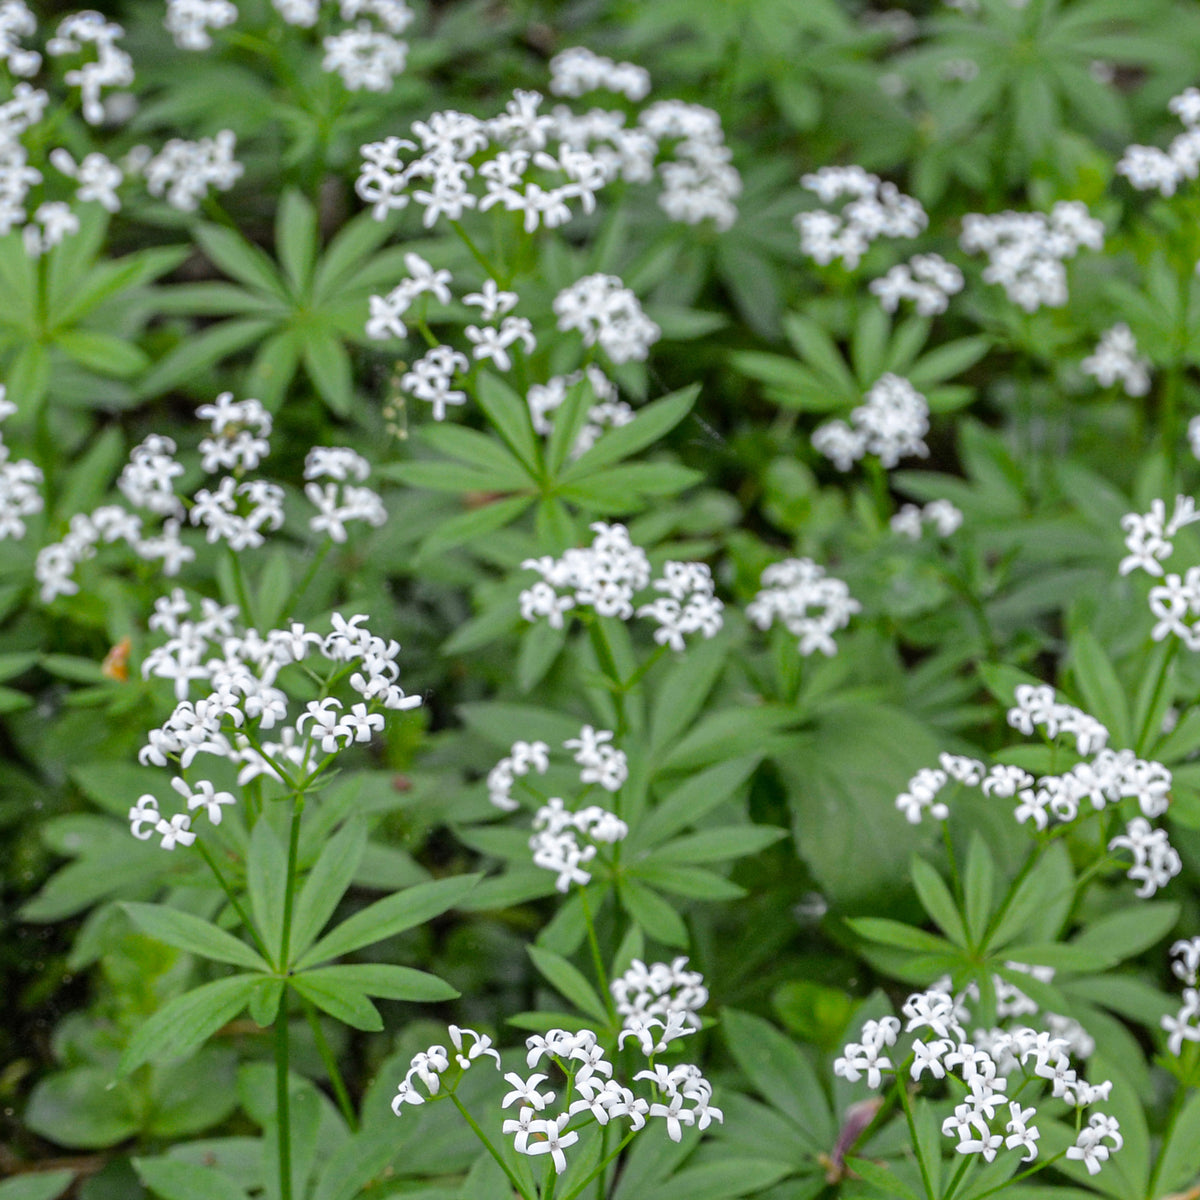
(390, 916)
(186, 1022)
(187, 932)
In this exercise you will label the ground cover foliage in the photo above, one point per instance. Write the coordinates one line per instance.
(599, 600)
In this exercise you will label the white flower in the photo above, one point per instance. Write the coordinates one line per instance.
(607, 314)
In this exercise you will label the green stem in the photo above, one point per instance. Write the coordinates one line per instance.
(954, 876)
(283, 1115)
(1010, 895)
(906, 1103)
(958, 1176)
(597, 959)
(239, 586)
(487, 1145)
(283, 1119)
(1142, 744)
(1041, 1166)
(289, 895)
(331, 1066)
(601, 1167)
(476, 253)
(206, 853)
(314, 567)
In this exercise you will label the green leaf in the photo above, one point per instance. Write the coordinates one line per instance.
(726, 1179)
(185, 1023)
(266, 878)
(37, 1185)
(327, 883)
(203, 350)
(479, 451)
(509, 415)
(83, 1109)
(814, 345)
(946, 361)
(355, 241)
(690, 800)
(296, 238)
(102, 352)
(693, 883)
(187, 932)
(880, 1176)
(1179, 1161)
(978, 887)
(1102, 692)
(244, 261)
(570, 982)
(264, 1003)
(937, 900)
(390, 916)
(472, 525)
(684, 688)
(28, 378)
(107, 279)
(1062, 956)
(384, 979)
(720, 844)
(782, 1075)
(895, 933)
(644, 430)
(1048, 887)
(657, 918)
(175, 1180)
(1122, 934)
(340, 999)
(329, 368)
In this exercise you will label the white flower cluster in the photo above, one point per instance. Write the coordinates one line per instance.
(368, 55)
(555, 844)
(430, 377)
(1148, 167)
(16, 24)
(609, 412)
(699, 182)
(98, 178)
(237, 511)
(601, 762)
(1116, 358)
(1175, 603)
(542, 164)
(1185, 1025)
(428, 1066)
(680, 1095)
(185, 170)
(1104, 777)
(891, 424)
(607, 314)
(111, 66)
(340, 500)
(873, 209)
(578, 70)
(941, 514)
(189, 21)
(663, 997)
(928, 280)
(20, 481)
(608, 574)
(812, 605)
(1026, 251)
(1148, 535)
(25, 109)
(240, 673)
(983, 1071)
